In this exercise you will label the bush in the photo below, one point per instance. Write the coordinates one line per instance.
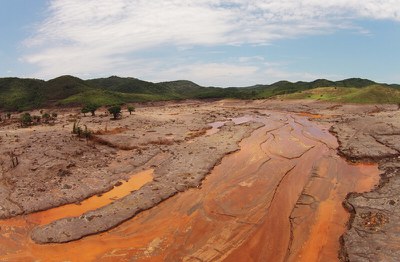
(54, 115)
(77, 130)
(115, 111)
(37, 119)
(26, 119)
(85, 110)
(90, 108)
(46, 117)
(131, 109)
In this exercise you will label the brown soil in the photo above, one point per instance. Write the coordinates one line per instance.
(277, 199)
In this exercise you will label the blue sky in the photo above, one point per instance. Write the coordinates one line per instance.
(211, 42)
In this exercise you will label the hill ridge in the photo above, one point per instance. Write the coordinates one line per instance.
(27, 93)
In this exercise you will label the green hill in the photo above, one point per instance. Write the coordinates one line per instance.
(125, 85)
(64, 86)
(16, 93)
(23, 94)
(370, 94)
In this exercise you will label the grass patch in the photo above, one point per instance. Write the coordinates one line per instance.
(375, 94)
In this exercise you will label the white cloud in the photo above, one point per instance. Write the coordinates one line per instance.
(104, 36)
(211, 74)
(241, 72)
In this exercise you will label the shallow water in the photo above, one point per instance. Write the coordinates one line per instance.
(278, 198)
(14, 233)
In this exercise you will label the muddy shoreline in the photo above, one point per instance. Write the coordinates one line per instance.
(372, 233)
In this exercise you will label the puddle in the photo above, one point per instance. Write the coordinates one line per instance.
(14, 232)
(73, 210)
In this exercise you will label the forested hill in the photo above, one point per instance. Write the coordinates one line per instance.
(23, 94)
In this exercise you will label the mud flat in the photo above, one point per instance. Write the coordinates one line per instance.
(278, 198)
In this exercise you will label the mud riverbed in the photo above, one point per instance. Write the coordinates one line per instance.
(279, 198)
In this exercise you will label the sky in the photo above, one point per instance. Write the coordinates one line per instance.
(211, 42)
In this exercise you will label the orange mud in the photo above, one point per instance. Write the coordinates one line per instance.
(310, 115)
(74, 210)
(277, 199)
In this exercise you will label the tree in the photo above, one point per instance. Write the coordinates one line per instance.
(92, 108)
(131, 109)
(115, 111)
(85, 110)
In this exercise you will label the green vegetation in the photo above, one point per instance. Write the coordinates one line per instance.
(24, 94)
(115, 111)
(46, 117)
(26, 119)
(90, 108)
(84, 110)
(131, 109)
(370, 94)
(36, 119)
(85, 133)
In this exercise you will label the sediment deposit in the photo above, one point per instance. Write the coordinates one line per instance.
(247, 180)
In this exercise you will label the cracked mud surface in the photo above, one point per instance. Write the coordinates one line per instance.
(279, 198)
(374, 230)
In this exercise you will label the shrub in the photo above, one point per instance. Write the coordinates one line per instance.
(92, 108)
(37, 119)
(85, 110)
(131, 109)
(76, 129)
(46, 117)
(26, 119)
(86, 133)
(115, 111)
(54, 115)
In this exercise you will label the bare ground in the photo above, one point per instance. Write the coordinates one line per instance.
(55, 167)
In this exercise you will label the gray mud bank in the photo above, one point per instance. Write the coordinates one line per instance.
(188, 165)
(374, 228)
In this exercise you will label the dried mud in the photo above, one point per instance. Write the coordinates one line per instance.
(278, 198)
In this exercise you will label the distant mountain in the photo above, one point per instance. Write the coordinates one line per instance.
(23, 94)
